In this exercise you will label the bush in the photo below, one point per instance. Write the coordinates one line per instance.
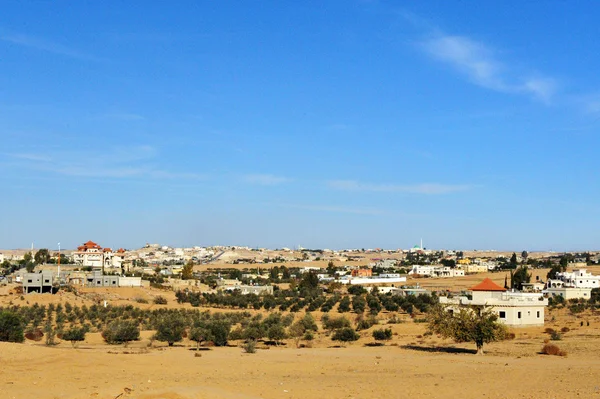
(160, 300)
(250, 346)
(553, 350)
(11, 327)
(334, 323)
(345, 334)
(34, 335)
(564, 329)
(383, 334)
(555, 336)
(74, 334)
(365, 324)
(121, 331)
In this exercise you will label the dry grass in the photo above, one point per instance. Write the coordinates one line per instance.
(553, 350)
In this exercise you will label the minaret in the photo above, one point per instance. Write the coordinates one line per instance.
(421, 244)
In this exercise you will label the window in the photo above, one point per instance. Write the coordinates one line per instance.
(30, 281)
(538, 314)
(46, 281)
(502, 314)
(518, 315)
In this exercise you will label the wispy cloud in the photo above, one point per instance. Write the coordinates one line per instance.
(265, 179)
(421, 188)
(117, 163)
(31, 157)
(480, 64)
(124, 116)
(336, 209)
(47, 46)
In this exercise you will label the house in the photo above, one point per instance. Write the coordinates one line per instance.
(579, 278)
(569, 292)
(41, 282)
(362, 273)
(90, 254)
(513, 308)
(251, 289)
(476, 268)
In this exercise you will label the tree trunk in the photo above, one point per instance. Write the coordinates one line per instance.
(479, 349)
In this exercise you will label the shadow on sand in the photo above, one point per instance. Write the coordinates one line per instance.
(439, 349)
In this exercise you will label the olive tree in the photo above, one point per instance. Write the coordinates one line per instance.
(476, 324)
(170, 328)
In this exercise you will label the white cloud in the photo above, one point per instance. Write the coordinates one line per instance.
(421, 188)
(479, 63)
(119, 163)
(45, 45)
(265, 179)
(338, 209)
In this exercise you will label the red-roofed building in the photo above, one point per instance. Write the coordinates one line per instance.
(512, 308)
(92, 255)
(488, 285)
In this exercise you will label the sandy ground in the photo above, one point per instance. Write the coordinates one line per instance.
(409, 366)
(510, 369)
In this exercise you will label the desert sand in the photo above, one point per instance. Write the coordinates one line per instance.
(410, 365)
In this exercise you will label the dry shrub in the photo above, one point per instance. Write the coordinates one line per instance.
(549, 330)
(510, 336)
(34, 335)
(546, 340)
(553, 350)
(565, 329)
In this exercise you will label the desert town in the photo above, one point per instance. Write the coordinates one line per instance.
(329, 308)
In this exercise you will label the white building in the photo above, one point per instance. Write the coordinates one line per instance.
(89, 254)
(436, 271)
(579, 278)
(513, 308)
(569, 292)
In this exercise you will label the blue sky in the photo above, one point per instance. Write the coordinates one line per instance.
(331, 124)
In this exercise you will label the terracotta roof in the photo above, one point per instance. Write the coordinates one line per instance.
(107, 250)
(487, 285)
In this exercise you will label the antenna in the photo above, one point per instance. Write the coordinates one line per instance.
(59, 261)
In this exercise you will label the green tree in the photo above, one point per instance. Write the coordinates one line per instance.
(28, 257)
(200, 334)
(219, 331)
(30, 267)
(74, 334)
(296, 332)
(11, 327)
(344, 305)
(513, 261)
(382, 334)
(276, 333)
(524, 255)
(121, 331)
(309, 281)
(187, 273)
(309, 323)
(42, 256)
(170, 328)
(359, 304)
(519, 276)
(554, 271)
(467, 324)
